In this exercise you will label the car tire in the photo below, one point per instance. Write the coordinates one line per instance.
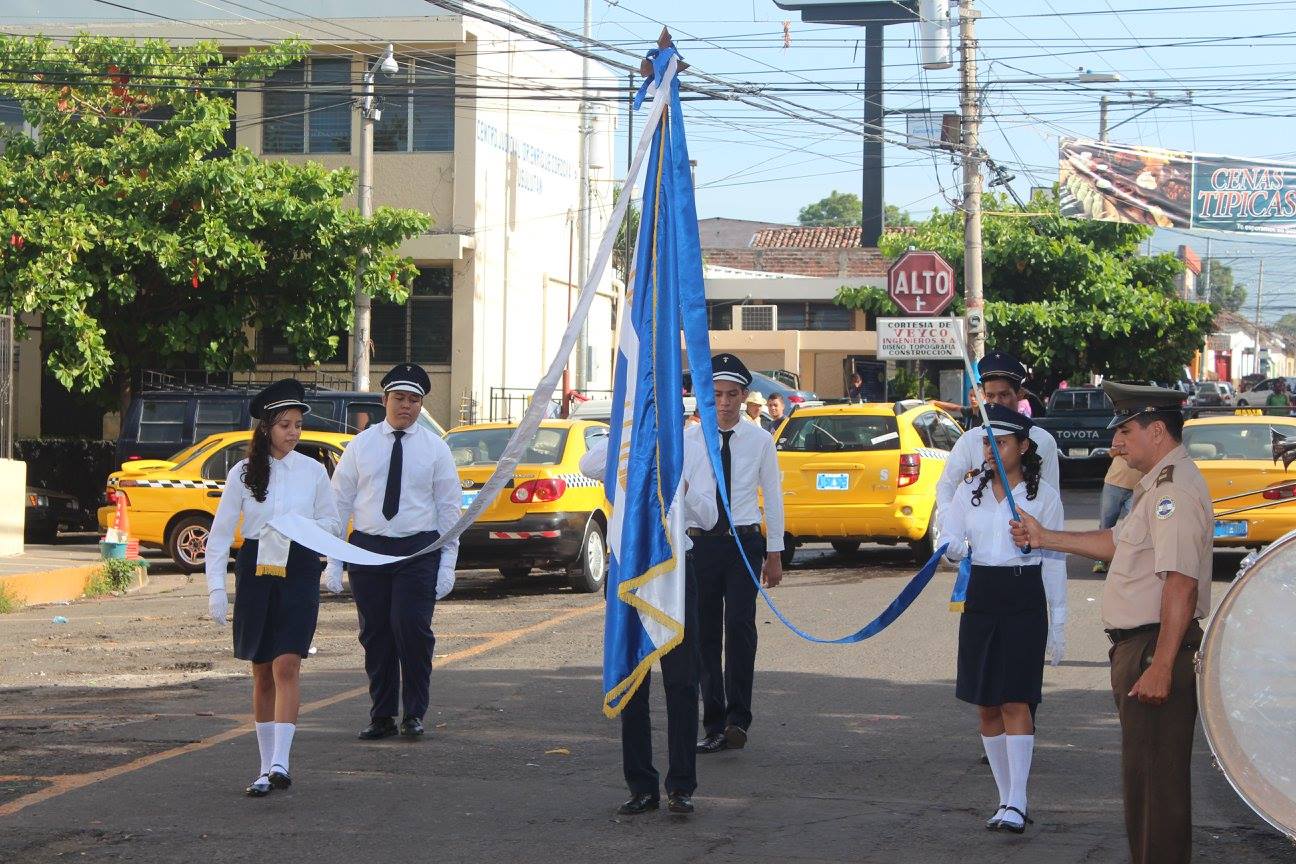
(187, 537)
(515, 572)
(589, 572)
(926, 547)
(846, 548)
(1242, 403)
(789, 551)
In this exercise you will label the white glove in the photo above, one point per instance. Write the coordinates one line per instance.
(333, 577)
(445, 580)
(1056, 642)
(957, 552)
(218, 605)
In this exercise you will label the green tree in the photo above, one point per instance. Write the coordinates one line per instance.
(1225, 292)
(1286, 325)
(142, 241)
(843, 210)
(894, 217)
(1071, 297)
(629, 229)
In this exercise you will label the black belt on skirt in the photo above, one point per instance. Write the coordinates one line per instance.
(743, 530)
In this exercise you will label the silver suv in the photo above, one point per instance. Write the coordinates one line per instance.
(1258, 394)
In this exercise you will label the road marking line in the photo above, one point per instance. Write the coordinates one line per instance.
(65, 783)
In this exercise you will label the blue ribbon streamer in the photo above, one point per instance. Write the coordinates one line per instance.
(958, 597)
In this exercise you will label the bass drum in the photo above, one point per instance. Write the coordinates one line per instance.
(1246, 677)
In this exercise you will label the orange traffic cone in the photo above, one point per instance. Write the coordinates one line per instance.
(121, 524)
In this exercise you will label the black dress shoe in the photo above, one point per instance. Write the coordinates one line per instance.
(279, 778)
(736, 737)
(679, 803)
(381, 727)
(713, 743)
(259, 788)
(411, 727)
(641, 803)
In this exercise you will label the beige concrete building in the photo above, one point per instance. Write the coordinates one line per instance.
(481, 129)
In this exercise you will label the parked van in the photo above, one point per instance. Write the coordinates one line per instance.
(162, 422)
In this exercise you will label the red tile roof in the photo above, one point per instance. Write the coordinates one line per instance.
(820, 237)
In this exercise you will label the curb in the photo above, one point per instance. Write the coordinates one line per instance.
(57, 586)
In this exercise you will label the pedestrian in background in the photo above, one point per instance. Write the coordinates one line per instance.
(755, 402)
(1117, 493)
(1015, 607)
(399, 482)
(276, 583)
(776, 407)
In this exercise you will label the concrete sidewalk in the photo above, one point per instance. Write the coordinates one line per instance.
(56, 572)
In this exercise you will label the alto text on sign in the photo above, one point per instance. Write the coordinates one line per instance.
(921, 283)
(917, 339)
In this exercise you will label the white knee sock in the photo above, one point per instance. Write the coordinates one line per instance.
(996, 749)
(283, 735)
(1020, 750)
(265, 743)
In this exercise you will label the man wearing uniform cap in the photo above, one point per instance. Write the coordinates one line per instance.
(1001, 381)
(398, 480)
(726, 592)
(1157, 590)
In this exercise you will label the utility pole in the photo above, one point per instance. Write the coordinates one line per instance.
(1102, 119)
(971, 108)
(1259, 289)
(583, 214)
(368, 116)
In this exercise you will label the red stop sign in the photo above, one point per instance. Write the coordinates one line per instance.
(921, 283)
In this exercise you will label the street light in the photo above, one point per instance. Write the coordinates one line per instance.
(369, 115)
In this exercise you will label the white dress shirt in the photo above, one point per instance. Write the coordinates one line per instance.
(298, 484)
(699, 494)
(430, 492)
(969, 453)
(985, 528)
(753, 464)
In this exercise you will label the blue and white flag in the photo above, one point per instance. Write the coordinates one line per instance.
(644, 477)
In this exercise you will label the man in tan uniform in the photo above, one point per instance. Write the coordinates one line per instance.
(1157, 590)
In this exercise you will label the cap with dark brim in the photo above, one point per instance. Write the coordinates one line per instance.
(1137, 400)
(281, 395)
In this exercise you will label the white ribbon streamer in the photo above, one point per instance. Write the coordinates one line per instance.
(306, 533)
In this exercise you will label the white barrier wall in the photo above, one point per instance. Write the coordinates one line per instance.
(13, 490)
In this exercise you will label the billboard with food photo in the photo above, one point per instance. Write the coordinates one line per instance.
(1172, 189)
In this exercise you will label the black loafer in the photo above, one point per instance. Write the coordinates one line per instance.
(713, 743)
(735, 737)
(279, 778)
(679, 803)
(259, 787)
(992, 824)
(1015, 829)
(411, 727)
(641, 803)
(381, 727)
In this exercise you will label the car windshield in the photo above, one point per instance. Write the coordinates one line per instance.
(484, 446)
(839, 432)
(1207, 388)
(1229, 441)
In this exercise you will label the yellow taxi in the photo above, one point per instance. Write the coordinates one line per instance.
(1235, 455)
(863, 472)
(550, 515)
(171, 502)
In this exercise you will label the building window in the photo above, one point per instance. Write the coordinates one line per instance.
(720, 314)
(418, 330)
(272, 347)
(307, 108)
(813, 316)
(417, 107)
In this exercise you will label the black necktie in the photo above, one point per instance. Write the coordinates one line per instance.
(391, 498)
(726, 462)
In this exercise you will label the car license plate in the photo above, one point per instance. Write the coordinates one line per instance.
(1078, 452)
(466, 499)
(1230, 529)
(832, 482)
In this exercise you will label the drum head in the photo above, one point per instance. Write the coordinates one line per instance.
(1247, 685)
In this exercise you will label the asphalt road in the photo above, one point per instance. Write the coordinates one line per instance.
(124, 735)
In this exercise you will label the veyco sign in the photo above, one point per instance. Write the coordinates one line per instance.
(918, 339)
(921, 283)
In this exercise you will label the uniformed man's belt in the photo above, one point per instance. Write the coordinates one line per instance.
(724, 532)
(1117, 636)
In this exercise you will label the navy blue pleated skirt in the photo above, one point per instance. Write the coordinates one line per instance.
(275, 615)
(1002, 634)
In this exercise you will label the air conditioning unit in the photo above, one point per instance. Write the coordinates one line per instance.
(756, 317)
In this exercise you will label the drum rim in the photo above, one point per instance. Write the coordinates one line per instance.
(1205, 664)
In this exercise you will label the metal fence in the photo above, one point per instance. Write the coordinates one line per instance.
(8, 381)
(508, 404)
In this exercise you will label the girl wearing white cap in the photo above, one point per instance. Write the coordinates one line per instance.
(276, 595)
(1015, 605)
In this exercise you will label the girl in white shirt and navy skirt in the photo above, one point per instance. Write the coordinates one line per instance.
(276, 593)
(1015, 606)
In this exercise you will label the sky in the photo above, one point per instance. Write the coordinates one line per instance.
(1214, 76)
